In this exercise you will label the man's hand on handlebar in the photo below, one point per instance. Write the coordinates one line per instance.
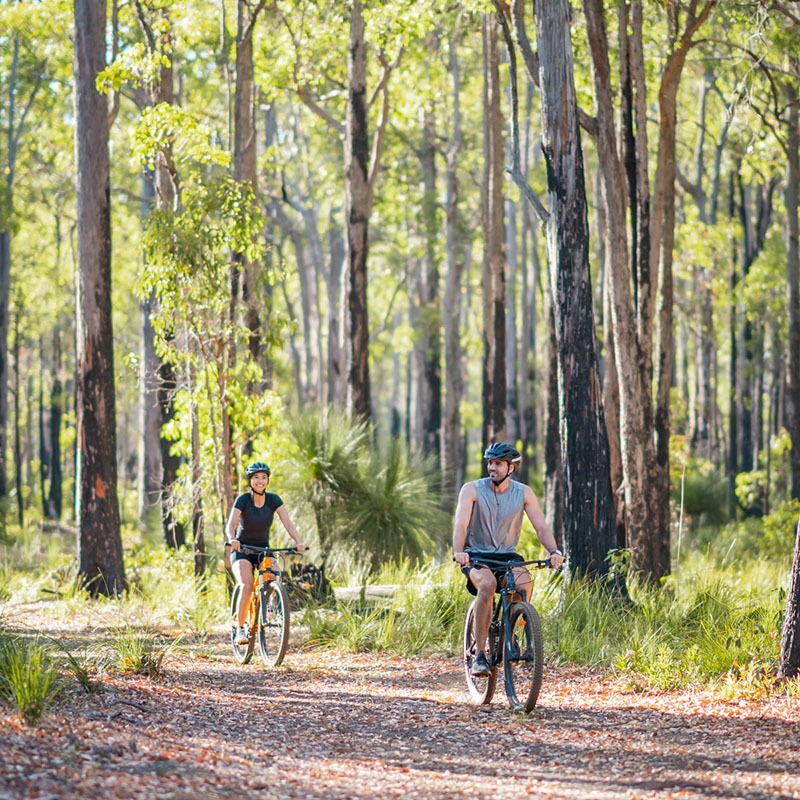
(461, 558)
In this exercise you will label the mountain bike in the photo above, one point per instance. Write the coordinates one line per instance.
(514, 641)
(268, 613)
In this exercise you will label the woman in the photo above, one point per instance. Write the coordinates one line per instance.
(249, 523)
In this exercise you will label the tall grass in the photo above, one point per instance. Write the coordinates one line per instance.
(28, 677)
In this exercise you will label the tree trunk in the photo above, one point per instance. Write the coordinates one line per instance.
(790, 639)
(150, 471)
(244, 157)
(53, 505)
(553, 469)
(15, 352)
(635, 410)
(158, 33)
(494, 279)
(662, 243)
(793, 280)
(589, 532)
(431, 302)
(358, 203)
(100, 562)
(452, 452)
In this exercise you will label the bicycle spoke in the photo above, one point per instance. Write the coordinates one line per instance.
(273, 629)
(481, 689)
(523, 669)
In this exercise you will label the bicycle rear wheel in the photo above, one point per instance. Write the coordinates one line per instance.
(523, 668)
(480, 689)
(241, 652)
(273, 627)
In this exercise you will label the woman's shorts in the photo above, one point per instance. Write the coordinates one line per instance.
(253, 558)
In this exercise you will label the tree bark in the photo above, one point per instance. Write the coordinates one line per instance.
(790, 639)
(589, 532)
(793, 281)
(431, 301)
(358, 203)
(55, 473)
(100, 561)
(452, 452)
(494, 279)
(634, 417)
(150, 471)
(244, 157)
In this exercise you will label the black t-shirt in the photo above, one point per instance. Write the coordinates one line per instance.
(254, 522)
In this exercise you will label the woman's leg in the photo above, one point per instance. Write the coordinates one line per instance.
(243, 572)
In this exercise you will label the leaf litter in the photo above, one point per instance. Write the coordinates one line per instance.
(353, 726)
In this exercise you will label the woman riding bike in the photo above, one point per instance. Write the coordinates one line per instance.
(249, 523)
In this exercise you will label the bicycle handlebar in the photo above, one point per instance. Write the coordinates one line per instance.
(480, 561)
(249, 548)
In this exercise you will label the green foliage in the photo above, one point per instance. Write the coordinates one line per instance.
(424, 613)
(372, 503)
(28, 677)
(703, 494)
(780, 529)
(768, 485)
(138, 651)
(83, 665)
(702, 630)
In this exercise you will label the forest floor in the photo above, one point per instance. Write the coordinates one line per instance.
(342, 726)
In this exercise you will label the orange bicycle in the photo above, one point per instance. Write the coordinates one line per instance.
(268, 613)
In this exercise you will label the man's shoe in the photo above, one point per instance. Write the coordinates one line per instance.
(480, 666)
(242, 635)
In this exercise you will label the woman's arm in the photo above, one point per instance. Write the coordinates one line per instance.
(283, 516)
(233, 524)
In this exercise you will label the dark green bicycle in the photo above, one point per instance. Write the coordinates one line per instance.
(514, 641)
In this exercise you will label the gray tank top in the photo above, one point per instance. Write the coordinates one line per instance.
(496, 520)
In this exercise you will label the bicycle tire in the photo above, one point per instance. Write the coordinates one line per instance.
(522, 672)
(481, 689)
(273, 623)
(241, 652)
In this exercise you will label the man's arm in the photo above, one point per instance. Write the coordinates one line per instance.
(466, 499)
(546, 537)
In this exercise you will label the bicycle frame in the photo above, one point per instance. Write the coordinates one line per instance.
(502, 605)
(267, 611)
(513, 620)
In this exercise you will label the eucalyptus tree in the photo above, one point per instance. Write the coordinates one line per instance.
(587, 501)
(24, 65)
(100, 562)
(158, 381)
(494, 258)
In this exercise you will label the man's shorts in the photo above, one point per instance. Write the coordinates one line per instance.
(499, 573)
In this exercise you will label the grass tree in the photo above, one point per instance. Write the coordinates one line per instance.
(372, 502)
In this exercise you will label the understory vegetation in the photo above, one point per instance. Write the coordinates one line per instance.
(715, 623)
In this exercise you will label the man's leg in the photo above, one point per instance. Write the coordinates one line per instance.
(485, 585)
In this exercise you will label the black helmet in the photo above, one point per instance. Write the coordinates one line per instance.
(257, 466)
(502, 451)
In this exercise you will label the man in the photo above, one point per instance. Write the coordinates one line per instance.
(488, 521)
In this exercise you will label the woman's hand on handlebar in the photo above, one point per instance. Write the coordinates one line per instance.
(236, 545)
(301, 547)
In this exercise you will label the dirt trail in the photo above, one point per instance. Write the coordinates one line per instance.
(330, 725)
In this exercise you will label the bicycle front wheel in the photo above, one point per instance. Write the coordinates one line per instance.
(241, 652)
(273, 627)
(481, 689)
(523, 666)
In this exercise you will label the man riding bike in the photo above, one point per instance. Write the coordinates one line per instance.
(488, 522)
